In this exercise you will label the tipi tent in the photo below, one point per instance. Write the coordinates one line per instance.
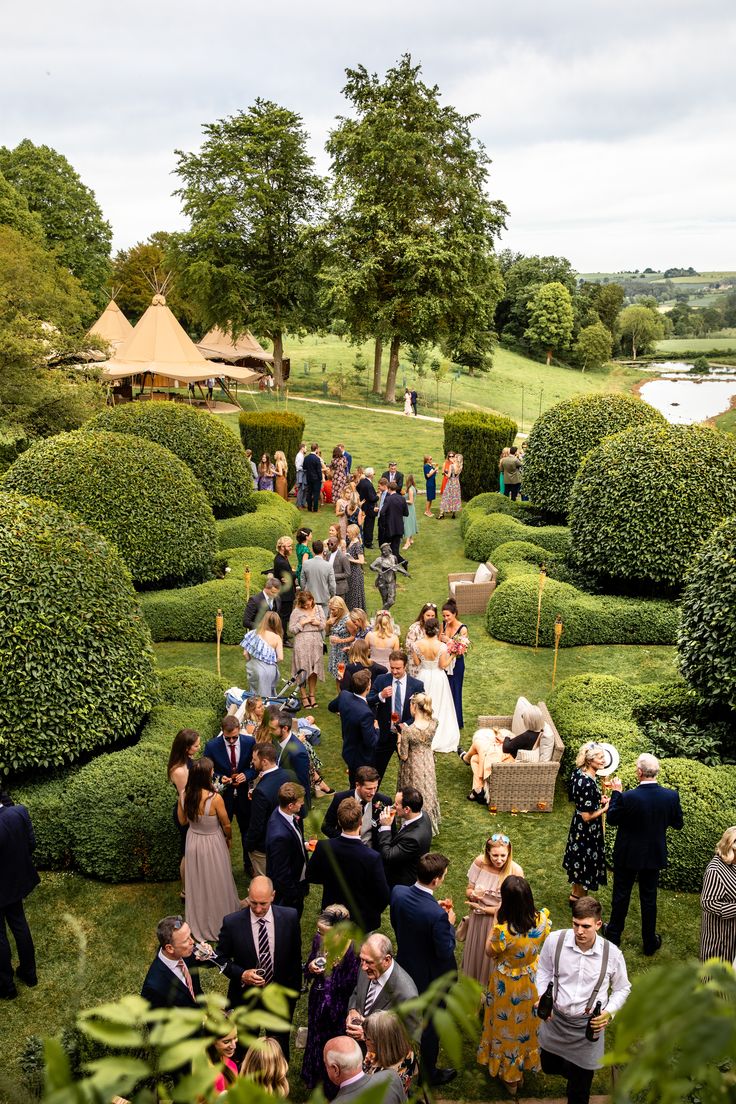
(158, 345)
(246, 358)
(112, 325)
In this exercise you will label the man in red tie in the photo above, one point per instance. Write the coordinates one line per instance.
(172, 980)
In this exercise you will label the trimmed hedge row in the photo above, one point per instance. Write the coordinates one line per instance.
(511, 615)
(268, 432)
(260, 530)
(190, 688)
(268, 502)
(491, 502)
(486, 533)
(480, 437)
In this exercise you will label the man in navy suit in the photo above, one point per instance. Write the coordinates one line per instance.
(404, 835)
(425, 945)
(359, 729)
(372, 802)
(641, 817)
(264, 799)
(293, 755)
(265, 940)
(231, 754)
(350, 874)
(18, 876)
(286, 855)
(392, 694)
(395, 509)
(172, 980)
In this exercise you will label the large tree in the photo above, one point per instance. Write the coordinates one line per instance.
(14, 212)
(551, 318)
(640, 327)
(523, 277)
(71, 217)
(143, 269)
(412, 230)
(250, 258)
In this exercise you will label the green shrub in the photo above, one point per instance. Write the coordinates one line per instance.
(707, 639)
(587, 618)
(207, 446)
(562, 436)
(135, 493)
(644, 503)
(491, 502)
(515, 558)
(658, 701)
(237, 559)
(268, 502)
(486, 533)
(46, 802)
(260, 529)
(596, 707)
(480, 437)
(191, 688)
(13, 441)
(263, 431)
(75, 651)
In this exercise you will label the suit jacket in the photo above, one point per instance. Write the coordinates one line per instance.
(642, 817)
(393, 1092)
(330, 827)
(235, 943)
(400, 987)
(351, 875)
(398, 479)
(295, 758)
(163, 989)
(255, 609)
(341, 568)
(218, 751)
(318, 578)
(384, 708)
(17, 844)
(368, 495)
(359, 737)
(425, 938)
(284, 572)
(312, 468)
(376, 670)
(395, 509)
(265, 798)
(401, 849)
(286, 860)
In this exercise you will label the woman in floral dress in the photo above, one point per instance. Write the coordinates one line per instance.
(585, 860)
(416, 758)
(356, 582)
(339, 473)
(450, 502)
(339, 635)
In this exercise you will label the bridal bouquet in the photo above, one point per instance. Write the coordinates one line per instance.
(458, 646)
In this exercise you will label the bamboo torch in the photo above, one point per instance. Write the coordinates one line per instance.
(542, 579)
(246, 576)
(558, 634)
(219, 622)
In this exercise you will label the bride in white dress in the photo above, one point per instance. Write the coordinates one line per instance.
(433, 660)
(408, 408)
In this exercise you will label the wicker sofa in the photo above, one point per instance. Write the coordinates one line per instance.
(523, 787)
(471, 597)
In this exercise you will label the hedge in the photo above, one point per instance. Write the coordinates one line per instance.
(491, 502)
(644, 503)
(596, 707)
(207, 446)
(562, 436)
(707, 640)
(190, 688)
(76, 656)
(260, 530)
(515, 558)
(486, 533)
(135, 493)
(46, 801)
(13, 441)
(268, 502)
(263, 431)
(480, 437)
(511, 615)
(189, 614)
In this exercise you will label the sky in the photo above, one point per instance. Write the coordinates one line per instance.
(611, 124)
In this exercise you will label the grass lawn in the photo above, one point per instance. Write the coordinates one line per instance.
(696, 344)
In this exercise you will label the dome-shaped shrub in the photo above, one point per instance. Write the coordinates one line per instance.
(562, 436)
(260, 529)
(707, 640)
(132, 491)
(268, 502)
(489, 530)
(75, 651)
(206, 445)
(643, 503)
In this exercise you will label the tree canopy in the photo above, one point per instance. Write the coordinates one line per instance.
(551, 318)
(523, 276)
(145, 267)
(640, 326)
(14, 212)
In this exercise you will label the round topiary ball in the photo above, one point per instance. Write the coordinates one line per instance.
(209, 449)
(643, 503)
(707, 638)
(132, 491)
(562, 436)
(76, 656)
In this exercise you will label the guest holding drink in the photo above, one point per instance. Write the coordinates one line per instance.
(584, 859)
(184, 751)
(307, 625)
(340, 637)
(430, 475)
(455, 636)
(487, 874)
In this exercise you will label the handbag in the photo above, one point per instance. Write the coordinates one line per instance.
(461, 931)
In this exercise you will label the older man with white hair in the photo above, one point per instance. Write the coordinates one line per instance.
(382, 986)
(641, 817)
(343, 1060)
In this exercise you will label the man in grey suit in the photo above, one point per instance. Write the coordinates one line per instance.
(340, 565)
(382, 985)
(343, 1060)
(318, 577)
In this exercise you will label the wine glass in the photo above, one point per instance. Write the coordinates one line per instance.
(341, 670)
(394, 717)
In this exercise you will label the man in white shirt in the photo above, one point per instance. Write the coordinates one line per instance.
(585, 970)
(382, 985)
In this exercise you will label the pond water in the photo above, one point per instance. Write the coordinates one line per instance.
(684, 398)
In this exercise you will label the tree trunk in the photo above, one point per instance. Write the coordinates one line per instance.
(393, 368)
(377, 361)
(278, 356)
(549, 356)
(633, 347)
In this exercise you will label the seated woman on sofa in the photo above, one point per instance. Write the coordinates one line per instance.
(527, 725)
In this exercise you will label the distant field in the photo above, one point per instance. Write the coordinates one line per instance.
(696, 344)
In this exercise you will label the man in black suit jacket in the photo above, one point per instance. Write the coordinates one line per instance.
(260, 603)
(390, 691)
(293, 756)
(393, 475)
(359, 729)
(18, 876)
(349, 873)
(395, 509)
(372, 801)
(641, 817)
(368, 499)
(265, 941)
(313, 475)
(404, 837)
(264, 799)
(286, 855)
(172, 980)
(382, 986)
(231, 754)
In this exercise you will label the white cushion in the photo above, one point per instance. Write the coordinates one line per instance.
(517, 722)
(483, 574)
(546, 744)
(452, 588)
(531, 756)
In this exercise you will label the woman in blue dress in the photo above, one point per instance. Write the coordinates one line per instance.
(410, 521)
(430, 474)
(264, 649)
(454, 630)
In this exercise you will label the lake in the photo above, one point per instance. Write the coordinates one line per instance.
(684, 398)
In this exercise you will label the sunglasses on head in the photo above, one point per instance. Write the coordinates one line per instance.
(499, 837)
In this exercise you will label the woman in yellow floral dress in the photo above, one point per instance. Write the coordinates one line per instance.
(508, 1044)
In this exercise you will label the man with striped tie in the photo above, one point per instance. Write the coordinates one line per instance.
(262, 943)
(382, 985)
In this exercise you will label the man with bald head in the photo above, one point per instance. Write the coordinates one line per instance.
(262, 943)
(343, 1061)
(382, 986)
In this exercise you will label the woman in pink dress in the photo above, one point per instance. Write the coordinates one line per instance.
(485, 878)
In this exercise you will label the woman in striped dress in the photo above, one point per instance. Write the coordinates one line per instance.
(718, 902)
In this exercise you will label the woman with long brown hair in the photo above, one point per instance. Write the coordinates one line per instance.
(184, 750)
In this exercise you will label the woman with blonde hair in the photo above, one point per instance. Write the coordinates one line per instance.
(340, 636)
(359, 624)
(263, 650)
(387, 1046)
(307, 624)
(281, 468)
(584, 859)
(265, 1064)
(416, 758)
(356, 583)
(488, 871)
(504, 453)
(383, 638)
(252, 715)
(410, 521)
(360, 659)
(718, 902)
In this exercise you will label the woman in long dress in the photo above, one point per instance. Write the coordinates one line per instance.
(266, 473)
(211, 892)
(410, 521)
(718, 902)
(285, 574)
(433, 661)
(303, 551)
(307, 624)
(416, 758)
(455, 635)
(450, 501)
(584, 859)
(415, 633)
(184, 750)
(408, 408)
(281, 469)
(383, 638)
(356, 582)
(339, 473)
(509, 1046)
(486, 875)
(339, 635)
(263, 650)
(430, 475)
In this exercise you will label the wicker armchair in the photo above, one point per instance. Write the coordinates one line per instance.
(471, 597)
(523, 787)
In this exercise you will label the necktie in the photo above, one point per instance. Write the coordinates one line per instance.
(397, 698)
(233, 759)
(187, 976)
(264, 952)
(370, 997)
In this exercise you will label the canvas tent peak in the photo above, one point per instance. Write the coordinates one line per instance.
(112, 325)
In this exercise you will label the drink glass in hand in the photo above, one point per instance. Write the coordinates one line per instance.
(394, 717)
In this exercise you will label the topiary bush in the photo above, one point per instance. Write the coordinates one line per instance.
(264, 431)
(45, 800)
(486, 533)
(135, 493)
(707, 640)
(268, 502)
(480, 437)
(644, 503)
(75, 653)
(562, 436)
(596, 707)
(491, 502)
(515, 558)
(191, 688)
(260, 530)
(165, 721)
(207, 446)
(511, 615)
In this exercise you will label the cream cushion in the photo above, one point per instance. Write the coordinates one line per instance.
(531, 756)
(483, 574)
(546, 744)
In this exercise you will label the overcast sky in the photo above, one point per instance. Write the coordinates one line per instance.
(611, 123)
